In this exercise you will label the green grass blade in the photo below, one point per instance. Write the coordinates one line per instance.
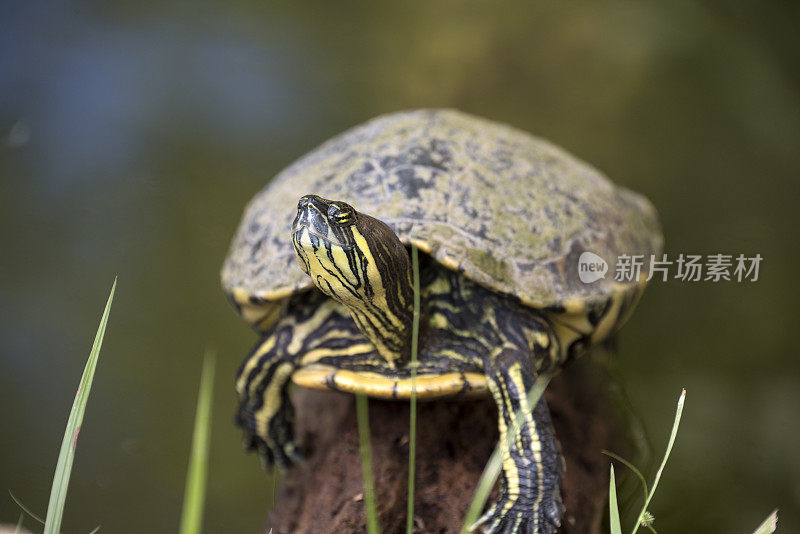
(362, 412)
(485, 485)
(276, 481)
(19, 523)
(412, 433)
(769, 525)
(58, 493)
(25, 508)
(95, 530)
(671, 442)
(630, 466)
(613, 509)
(195, 491)
(495, 463)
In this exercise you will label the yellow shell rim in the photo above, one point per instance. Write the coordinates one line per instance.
(428, 386)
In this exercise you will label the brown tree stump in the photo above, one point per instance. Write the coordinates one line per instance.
(454, 442)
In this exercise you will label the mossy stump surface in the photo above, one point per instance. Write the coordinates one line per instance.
(454, 441)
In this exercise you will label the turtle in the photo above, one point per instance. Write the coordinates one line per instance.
(320, 267)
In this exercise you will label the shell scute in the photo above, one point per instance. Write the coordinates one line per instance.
(509, 210)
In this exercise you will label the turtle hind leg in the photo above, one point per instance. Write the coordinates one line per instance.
(530, 485)
(265, 413)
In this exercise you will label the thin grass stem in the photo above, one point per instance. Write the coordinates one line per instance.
(412, 433)
(630, 466)
(362, 413)
(671, 442)
(25, 508)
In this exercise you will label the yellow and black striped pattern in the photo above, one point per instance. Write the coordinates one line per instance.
(530, 499)
(472, 341)
(354, 259)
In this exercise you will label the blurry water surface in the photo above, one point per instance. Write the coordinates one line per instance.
(132, 135)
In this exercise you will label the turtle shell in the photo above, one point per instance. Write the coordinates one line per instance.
(509, 210)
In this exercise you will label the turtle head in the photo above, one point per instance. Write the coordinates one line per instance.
(360, 262)
(326, 223)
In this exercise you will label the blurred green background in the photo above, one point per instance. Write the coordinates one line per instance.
(133, 133)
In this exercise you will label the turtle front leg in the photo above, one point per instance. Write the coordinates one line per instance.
(265, 412)
(311, 324)
(530, 485)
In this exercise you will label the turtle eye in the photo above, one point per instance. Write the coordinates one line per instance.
(340, 213)
(303, 202)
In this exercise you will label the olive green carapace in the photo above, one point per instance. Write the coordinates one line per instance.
(508, 210)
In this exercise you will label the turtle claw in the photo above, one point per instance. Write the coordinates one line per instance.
(283, 458)
(276, 446)
(522, 517)
(292, 452)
